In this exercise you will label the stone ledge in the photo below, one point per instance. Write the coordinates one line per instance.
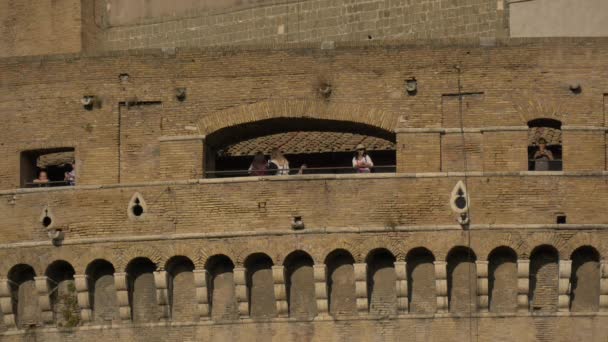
(181, 138)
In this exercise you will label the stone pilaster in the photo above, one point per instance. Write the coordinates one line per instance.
(82, 293)
(565, 269)
(202, 293)
(523, 285)
(361, 287)
(280, 293)
(320, 276)
(604, 285)
(482, 285)
(44, 299)
(122, 296)
(240, 285)
(441, 286)
(6, 303)
(401, 286)
(162, 294)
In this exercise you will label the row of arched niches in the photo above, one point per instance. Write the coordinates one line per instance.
(301, 289)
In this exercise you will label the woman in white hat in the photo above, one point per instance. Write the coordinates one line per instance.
(361, 161)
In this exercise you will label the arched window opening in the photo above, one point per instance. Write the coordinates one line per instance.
(544, 279)
(62, 292)
(142, 291)
(421, 281)
(502, 280)
(311, 146)
(341, 283)
(260, 286)
(48, 167)
(220, 287)
(102, 292)
(544, 145)
(300, 285)
(24, 297)
(181, 288)
(381, 282)
(462, 280)
(585, 280)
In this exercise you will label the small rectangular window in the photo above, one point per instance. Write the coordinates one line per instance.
(48, 167)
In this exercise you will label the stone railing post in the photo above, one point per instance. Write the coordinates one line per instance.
(240, 282)
(6, 303)
(202, 294)
(44, 299)
(122, 296)
(280, 292)
(523, 285)
(482, 285)
(361, 287)
(320, 276)
(441, 285)
(162, 293)
(604, 285)
(563, 301)
(401, 286)
(82, 293)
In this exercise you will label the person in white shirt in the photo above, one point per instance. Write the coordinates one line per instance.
(361, 161)
(277, 158)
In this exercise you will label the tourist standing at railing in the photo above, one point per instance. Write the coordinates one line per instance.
(259, 166)
(43, 178)
(361, 161)
(277, 158)
(70, 176)
(542, 156)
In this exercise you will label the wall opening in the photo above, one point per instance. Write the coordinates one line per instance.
(102, 292)
(181, 288)
(24, 297)
(543, 279)
(222, 299)
(260, 286)
(381, 282)
(421, 281)
(142, 290)
(311, 146)
(62, 293)
(462, 280)
(341, 283)
(47, 167)
(502, 280)
(585, 280)
(300, 285)
(544, 145)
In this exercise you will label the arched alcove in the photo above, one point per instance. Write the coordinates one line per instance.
(64, 304)
(341, 283)
(260, 286)
(544, 279)
(220, 287)
(381, 282)
(300, 285)
(102, 291)
(585, 280)
(181, 288)
(142, 290)
(324, 146)
(422, 296)
(24, 296)
(502, 280)
(462, 280)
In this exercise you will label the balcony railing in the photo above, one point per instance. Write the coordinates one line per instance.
(549, 165)
(299, 171)
(47, 184)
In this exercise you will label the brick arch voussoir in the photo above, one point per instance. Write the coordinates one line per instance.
(555, 240)
(358, 247)
(125, 256)
(583, 239)
(513, 241)
(314, 109)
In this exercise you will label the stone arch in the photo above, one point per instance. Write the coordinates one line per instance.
(341, 283)
(544, 278)
(260, 286)
(125, 256)
(180, 288)
(62, 293)
(220, 287)
(300, 285)
(272, 109)
(502, 279)
(102, 291)
(421, 280)
(511, 240)
(381, 282)
(24, 297)
(142, 290)
(534, 240)
(585, 279)
(582, 239)
(462, 280)
(531, 107)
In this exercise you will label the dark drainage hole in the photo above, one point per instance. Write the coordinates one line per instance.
(137, 209)
(560, 219)
(46, 221)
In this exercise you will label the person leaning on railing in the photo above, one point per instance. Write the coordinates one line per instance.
(43, 178)
(362, 161)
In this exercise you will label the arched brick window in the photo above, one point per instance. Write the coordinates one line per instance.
(381, 281)
(181, 288)
(341, 283)
(142, 290)
(544, 145)
(462, 280)
(220, 287)
(502, 280)
(300, 285)
(585, 280)
(102, 292)
(260, 286)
